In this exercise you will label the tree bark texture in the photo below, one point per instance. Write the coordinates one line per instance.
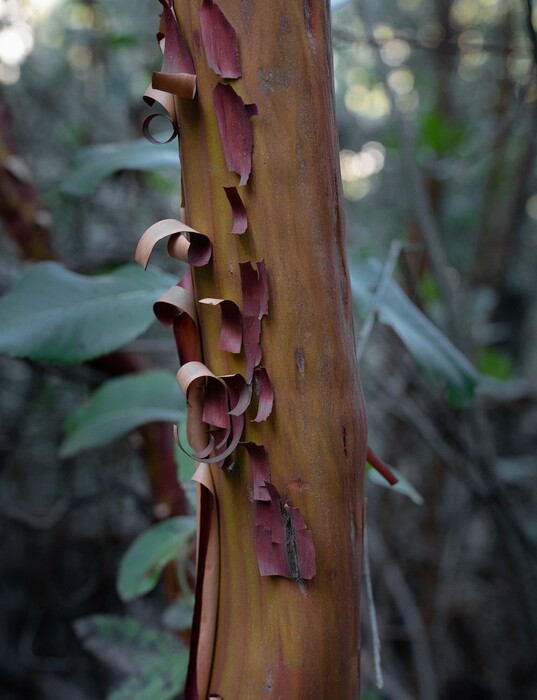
(272, 636)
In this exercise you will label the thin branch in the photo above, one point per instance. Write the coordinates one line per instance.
(387, 274)
(404, 599)
(392, 690)
(375, 636)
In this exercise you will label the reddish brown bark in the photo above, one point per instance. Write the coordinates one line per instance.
(270, 636)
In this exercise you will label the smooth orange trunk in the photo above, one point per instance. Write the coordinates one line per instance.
(280, 637)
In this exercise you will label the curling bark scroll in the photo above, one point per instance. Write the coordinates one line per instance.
(277, 417)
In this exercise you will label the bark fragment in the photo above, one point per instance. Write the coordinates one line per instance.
(197, 251)
(220, 41)
(240, 219)
(231, 327)
(233, 118)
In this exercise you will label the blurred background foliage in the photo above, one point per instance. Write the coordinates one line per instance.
(436, 104)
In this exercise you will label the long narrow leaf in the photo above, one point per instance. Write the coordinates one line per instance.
(441, 361)
(94, 164)
(119, 406)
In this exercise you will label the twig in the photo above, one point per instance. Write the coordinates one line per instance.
(392, 690)
(405, 601)
(377, 660)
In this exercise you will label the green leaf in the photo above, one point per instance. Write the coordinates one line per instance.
(60, 316)
(94, 164)
(441, 361)
(495, 362)
(155, 660)
(178, 615)
(403, 486)
(119, 406)
(440, 134)
(142, 563)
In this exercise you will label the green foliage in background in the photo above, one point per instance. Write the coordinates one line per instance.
(121, 405)
(441, 361)
(94, 164)
(147, 556)
(60, 316)
(154, 662)
(463, 88)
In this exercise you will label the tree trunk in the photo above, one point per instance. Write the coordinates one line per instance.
(275, 636)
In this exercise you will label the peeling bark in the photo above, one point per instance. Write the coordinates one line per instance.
(281, 530)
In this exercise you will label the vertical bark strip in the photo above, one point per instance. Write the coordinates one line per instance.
(275, 637)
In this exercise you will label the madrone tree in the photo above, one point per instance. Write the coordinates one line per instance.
(263, 325)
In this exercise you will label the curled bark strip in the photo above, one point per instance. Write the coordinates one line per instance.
(215, 406)
(173, 303)
(164, 99)
(177, 308)
(259, 464)
(220, 41)
(233, 118)
(191, 380)
(177, 57)
(283, 542)
(207, 579)
(164, 85)
(147, 132)
(208, 404)
(178, 247)
(200, 250)
(237, 426)
(221, 437)
(240, 393)
(151, 236)
(190, 373)
(265, 393)
(177, 76)
(240, 219)
(180, 84)
(231, 328)
(197, 251)
(187, 340)
(186, 282)
(381, 467)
